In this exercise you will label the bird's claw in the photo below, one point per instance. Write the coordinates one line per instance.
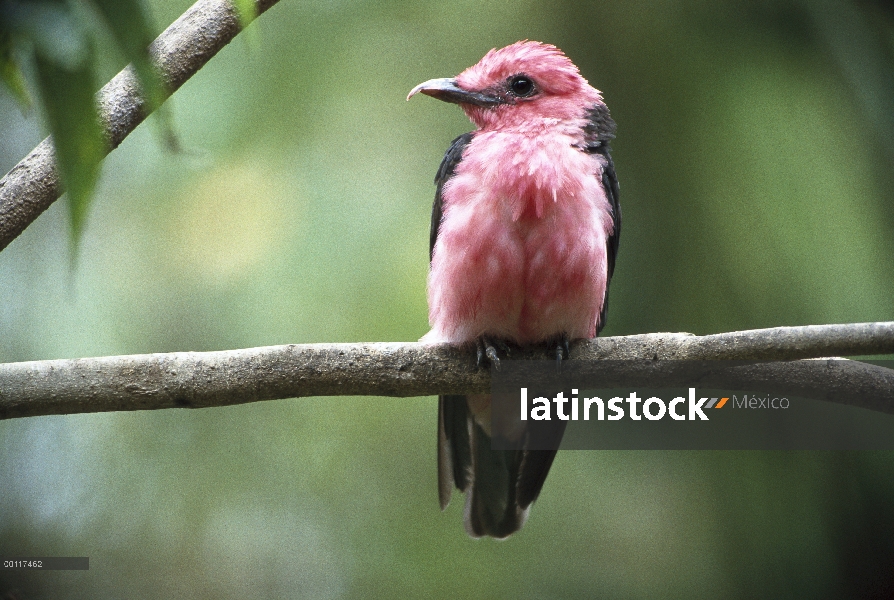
(486, 348)
(492, 357)
(563, 351)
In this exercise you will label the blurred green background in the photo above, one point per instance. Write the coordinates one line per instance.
(755, 152)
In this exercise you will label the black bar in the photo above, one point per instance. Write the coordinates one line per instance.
(45, 563)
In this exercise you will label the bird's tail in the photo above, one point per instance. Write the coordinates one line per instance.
(500, 485)
(492, 506)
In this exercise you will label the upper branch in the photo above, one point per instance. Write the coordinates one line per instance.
(205, 379)
(178, 53)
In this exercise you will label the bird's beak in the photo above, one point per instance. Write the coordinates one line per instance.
(448, 91)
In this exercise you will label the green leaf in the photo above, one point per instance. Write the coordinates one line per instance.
(130, 28)
(67, 94)
(131, 31)
(247, 11)
(51, 27)
(10, 72)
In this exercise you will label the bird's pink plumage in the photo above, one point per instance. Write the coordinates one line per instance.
(521, 250)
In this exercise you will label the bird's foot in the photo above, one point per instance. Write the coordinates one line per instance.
(486, 347)
(561, 351)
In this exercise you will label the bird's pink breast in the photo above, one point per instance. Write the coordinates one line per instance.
(521, 250)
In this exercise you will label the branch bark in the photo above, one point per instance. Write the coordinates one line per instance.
(207, 379)
(178, 53)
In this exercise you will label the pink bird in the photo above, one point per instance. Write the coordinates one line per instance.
(524, 234)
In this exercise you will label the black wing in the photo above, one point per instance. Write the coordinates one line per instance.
(598, 132)
(445, 171)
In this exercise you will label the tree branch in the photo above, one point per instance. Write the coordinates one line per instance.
(178, 53)
(205, 379)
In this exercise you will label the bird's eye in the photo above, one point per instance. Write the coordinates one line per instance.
(521, 86)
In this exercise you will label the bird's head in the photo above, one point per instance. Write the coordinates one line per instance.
(522, 84)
